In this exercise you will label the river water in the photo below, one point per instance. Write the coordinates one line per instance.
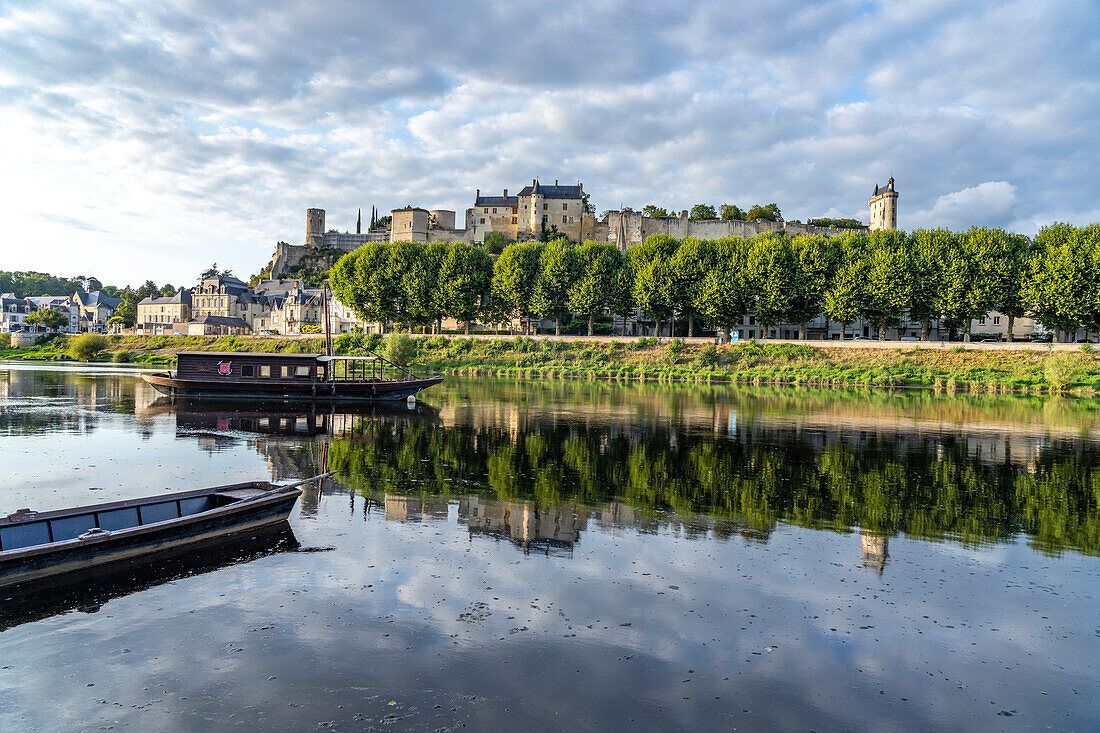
(573, 555)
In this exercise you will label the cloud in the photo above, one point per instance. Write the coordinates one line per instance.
(988, 204)
(205, 129)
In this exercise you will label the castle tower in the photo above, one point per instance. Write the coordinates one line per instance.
(884, 207)
(315, 227)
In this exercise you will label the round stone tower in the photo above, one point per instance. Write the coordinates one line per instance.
(315, 227)
(884, 207)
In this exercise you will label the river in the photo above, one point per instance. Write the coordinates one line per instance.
(570, 555)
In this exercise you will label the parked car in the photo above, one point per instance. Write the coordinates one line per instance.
(990, 341)
(910, 338)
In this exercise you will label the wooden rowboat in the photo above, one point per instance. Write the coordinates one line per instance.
(38, 546)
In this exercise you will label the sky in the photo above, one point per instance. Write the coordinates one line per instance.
(147, 140)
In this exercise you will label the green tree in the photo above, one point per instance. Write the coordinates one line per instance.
(429, 306)
(654, 211)
(845, 294)
(770, 273)
(621, 298)
(361, 281)
(731, 212)
(722, 298)
(598, 264)
(649, 263)
(465, 278)
(687, 268)
(557, 274)
(1062, 280)
(972, 275)
(211, 271)
(764, 213)
(1011, 276)
(48, 318)
(514, 278)
(816, 261)
(889, 280)
(703, 211)
(407, 277)
(928, 250)
(495, 242)
(86, 346)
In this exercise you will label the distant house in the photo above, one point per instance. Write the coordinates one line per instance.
(164, 314)
(94, 310)
(13, 313)
(60, 303)
(218, 326)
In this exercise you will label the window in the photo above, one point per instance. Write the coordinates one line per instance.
(514, 220)
(302, 371)
(563, 220)
(981, 321)
(544, 217)
(996, 320)
(248, 370)
(265, 371)
(752, 320)
(545, 207)
(482, 220)
(565, 207)
(286, 372)
(494, 210)
(486, 210)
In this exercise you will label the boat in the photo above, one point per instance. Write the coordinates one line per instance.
(41, 546)
(315, 377)
(273, 376)
(89, 591)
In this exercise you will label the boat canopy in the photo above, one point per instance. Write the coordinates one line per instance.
(347, 358)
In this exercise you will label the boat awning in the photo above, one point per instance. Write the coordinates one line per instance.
(347, 358)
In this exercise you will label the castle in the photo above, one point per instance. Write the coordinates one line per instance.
(540, 209)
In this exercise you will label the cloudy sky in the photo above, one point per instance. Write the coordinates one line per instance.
(146, 140)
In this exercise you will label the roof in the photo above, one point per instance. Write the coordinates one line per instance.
(183, 296)
(497, 201)
(97, 298)
(889, 187)
(277, 287)
(553, 192)
(222, 321)
(247, 353)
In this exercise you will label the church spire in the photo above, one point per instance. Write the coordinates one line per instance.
(359, 223)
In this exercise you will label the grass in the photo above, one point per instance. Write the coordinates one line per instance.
(644, 359)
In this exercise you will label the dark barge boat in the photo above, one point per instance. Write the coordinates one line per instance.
(39, 546)
(250, 375)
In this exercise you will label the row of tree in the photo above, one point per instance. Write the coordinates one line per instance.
(726, 212)
(880, 277)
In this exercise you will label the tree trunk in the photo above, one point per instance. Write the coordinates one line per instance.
(467, 328)
(826, 336)
(966, 333)
(657, 323)
(802, 332)
(691, 325)
(591, 324)
(925, 328)
(557, 327)
(1011, 325)
(882, 331)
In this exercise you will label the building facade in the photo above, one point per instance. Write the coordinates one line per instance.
(94, 310)
(164, 314)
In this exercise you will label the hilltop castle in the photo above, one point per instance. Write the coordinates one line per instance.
(541, 208)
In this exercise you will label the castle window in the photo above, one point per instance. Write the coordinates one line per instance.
(514, 221)
(486, 210)
(494, 211)
(483, 220)
(544, 218)
(563, 219)
(565, 207)
(545, 207)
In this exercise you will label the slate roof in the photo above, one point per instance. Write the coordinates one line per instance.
(497, 201)
(553, 192)
(97, 298)
(183, 296)
(222, 321)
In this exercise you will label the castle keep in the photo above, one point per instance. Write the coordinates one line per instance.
(884, 207)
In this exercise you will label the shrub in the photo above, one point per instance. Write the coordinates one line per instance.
(309, 328)
(523, 344)
(400, 348)
(121, 357)
(5, 340)
(294, 347)
(87, 345)
(707, 357)
(1061, 370)
(1087, 349)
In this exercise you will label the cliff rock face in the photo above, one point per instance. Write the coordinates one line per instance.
(288, 257)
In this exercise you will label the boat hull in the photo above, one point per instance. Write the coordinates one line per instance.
(311, 391)
(60, 560)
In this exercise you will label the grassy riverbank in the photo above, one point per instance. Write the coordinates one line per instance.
(951, 370)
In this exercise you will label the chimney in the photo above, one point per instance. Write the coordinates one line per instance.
(506, 193)
(477, 195)
(555, 181)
